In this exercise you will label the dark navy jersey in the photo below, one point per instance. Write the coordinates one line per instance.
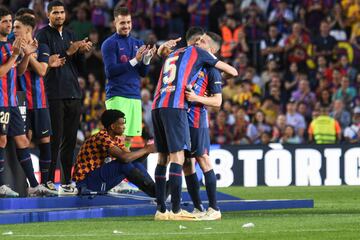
(179, 69)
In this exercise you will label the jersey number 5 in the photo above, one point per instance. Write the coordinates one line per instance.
(170, 69)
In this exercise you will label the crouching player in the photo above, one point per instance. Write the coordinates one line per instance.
(93, 171)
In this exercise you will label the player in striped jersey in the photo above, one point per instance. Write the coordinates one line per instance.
(171, 128)
(11, 122)
(31, 79)
(207, 82)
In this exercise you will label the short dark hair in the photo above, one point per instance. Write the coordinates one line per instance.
(110, 116)
(54, 4)
(4, 12)
(26, 20)
(193, 31)
(23, 11)
(215, 37)
(121, 10)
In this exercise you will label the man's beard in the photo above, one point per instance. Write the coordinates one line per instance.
(4, 34)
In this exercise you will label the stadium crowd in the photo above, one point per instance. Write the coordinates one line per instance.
(292, 58)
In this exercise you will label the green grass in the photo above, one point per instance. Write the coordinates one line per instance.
(336, 216)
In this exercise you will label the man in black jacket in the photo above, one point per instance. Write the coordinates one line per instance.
(63, 92)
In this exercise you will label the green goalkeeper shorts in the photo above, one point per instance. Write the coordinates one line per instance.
(132, 109)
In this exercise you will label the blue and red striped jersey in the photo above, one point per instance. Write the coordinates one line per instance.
(33, 84)
(179, 68)
(208, 81)
(8, 81)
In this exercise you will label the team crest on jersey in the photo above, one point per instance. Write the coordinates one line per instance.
(124, 58)
(168, 89)
(201, 74)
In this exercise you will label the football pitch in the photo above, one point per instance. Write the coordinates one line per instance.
(336, 215)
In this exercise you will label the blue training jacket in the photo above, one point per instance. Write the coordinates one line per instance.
(123, 79)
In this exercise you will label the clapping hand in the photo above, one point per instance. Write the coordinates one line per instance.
(86, 46)
(75, 46)
(140, 52)
(56, 61)
(29, 48)
(16, 46)
(148, 55)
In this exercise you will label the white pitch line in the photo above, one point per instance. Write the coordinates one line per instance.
(117, 234)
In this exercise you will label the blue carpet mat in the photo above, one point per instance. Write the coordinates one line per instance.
(26, 210)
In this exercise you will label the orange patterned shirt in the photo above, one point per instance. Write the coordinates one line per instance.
(93, 153)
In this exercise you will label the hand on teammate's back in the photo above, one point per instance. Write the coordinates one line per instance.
(190, 95)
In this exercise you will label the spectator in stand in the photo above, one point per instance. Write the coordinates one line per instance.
(290, 136)
(295, 119)
(296, 45)
(303, 93)
(257, 127)
(282, 17)
(291, 77)
(229, 91)
(93, 58)
(279, 128)
(240, 127)
(347, 69)
(324, 44)
(266, 75)
(352, 133)
(270, 108)
(315, 13)
(199, 11)
(160, 18)
(346, 93)
(272, 47)
(325, 96)
(340, 114)
(265, 138)
(81, 25)
(337, 23)
(221, 133)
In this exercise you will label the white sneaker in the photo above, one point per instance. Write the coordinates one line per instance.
(159, 216)
(211, 215)
(197, 213)
(67, 190)
(40, 191)
(50, 185)
(182, 215)
(6, 191)
(124, 187)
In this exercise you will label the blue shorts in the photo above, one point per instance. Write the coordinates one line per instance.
(105, 177)
(171, 129)
(200, 142)
(38, 121)
(11, 122)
